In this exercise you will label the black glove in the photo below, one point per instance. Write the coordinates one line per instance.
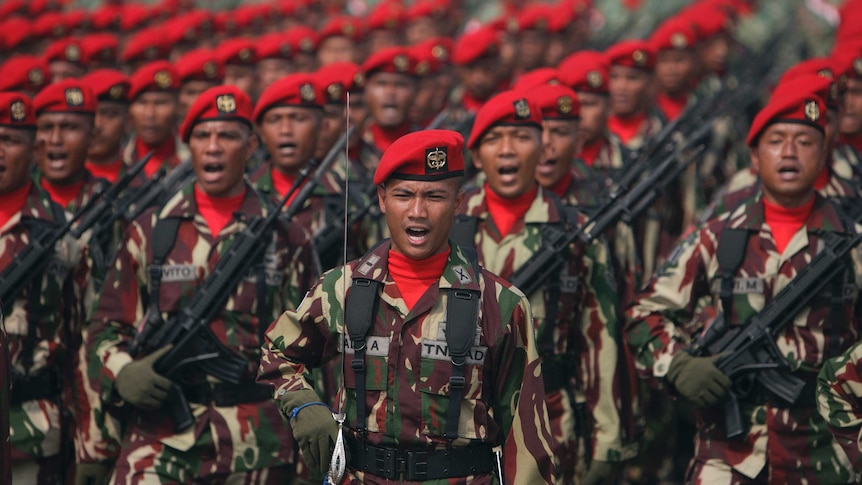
(141, 386)
(313, 426)
(697, 379)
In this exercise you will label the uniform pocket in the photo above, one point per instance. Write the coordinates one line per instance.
(435, 393)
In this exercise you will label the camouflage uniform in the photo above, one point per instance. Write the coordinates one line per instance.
(579, 348)
(41, 344)
(408, 395)
(6, 380)
(847, 163)
(782, 444)
(250, 439)
(839, 401)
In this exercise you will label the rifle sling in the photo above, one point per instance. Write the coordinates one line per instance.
(164, 237)
(463, 231)
(730, 255)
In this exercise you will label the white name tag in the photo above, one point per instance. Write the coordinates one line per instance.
(178, 272)
(743, 286)
(376, 346)
(439, 350)
(568, 284)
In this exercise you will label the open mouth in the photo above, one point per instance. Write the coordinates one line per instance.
(287, 149)
(214, 168)
(507, 170)
(417, 235)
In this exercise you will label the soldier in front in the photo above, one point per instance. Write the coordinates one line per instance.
(426, 297)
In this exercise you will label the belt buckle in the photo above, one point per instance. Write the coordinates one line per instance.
(417, 465)
(386, 461)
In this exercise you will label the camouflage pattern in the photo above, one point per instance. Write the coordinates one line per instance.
(787, 444)
(5, 388)
(839, 400)
(91, 186)
(248, 437)
(40, 429)
(581, 341)
(648, 129)
(847, 164)
(609, 162)
(407, 396)
(131, 155)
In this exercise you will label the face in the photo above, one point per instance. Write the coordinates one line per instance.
(559, 146)
(304, 62)
(270, 70)
(111, 120)
(715, 53)
(421, 29)
(358, 115)
(508, 156)
(62, 140)
(381, 39)
(336, 49)
(16, 154)
(674, 70)
(788, 157)
(419, 214)
(243, 77)
(189, 92)
(331, 129)
(62, 70)
(850, 115)
(594, 116)
(424, 104)
(480, 78)
(290, 135)
(532, 46)
(629, 90)
(219, 151)
(389, 96)
(154, 116)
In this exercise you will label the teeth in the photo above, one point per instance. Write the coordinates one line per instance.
(213, 168)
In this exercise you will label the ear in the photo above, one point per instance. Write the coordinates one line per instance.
(253, 143)
(477, 162)
(755, 159)
(459, 200)
(381, 198)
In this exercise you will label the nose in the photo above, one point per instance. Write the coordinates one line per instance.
(788, 149)
(507, 147)
(54, 137)
(213, 147)
(286, 127)
(417, 209)
(547, 148)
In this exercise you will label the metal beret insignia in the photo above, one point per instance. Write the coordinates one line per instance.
(58, 30)
(36, 76)
(210, 69)
(226, 103)
(594, 79)
(72, 53)
(825, 72)
(306, 93)
(284, 49)
(17, 110)
(163, 79)
(347, 29)
(678, 40)
(564, 104)
(74, 97)
(435, 159)
(116, 92)
(401, 63)
(422, 68)
(639, 57)
(439, 52)
(522, 109)
(812, 111)
(244, 54)
(306, 45)
(151, 52)
(335, 90)
(359, 79)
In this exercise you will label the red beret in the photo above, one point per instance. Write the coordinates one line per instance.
(792, 107)
(301, 90)
(199, 65)
(675, 33)
(336, 79)
(422, 155)
(506, 108)
(427, 9)
(275, 45)
(562, 16)
(821, 66)
(67, 96)
(135, 16)
(709, 20)
(68, 50)
(536, 16)
(632, 53)
(99, 48)
(391, 59)
(108, 85)
(12, 7)
(302, 39)
(147, 45)
(77, 19)
(431, 55)
(16, 31)
(237, 51)
(847, 62)
(483, 42)
(849, 28)
(812, 84)
(39, 6)
(586, 72)
(16, 111)
(540, 77)
(387, 15)
(24, 73)
(50, 25)
(253, 18)
(155, 76)
(217, 103)
(557, 102)
(342, 26)
(107, 17)
(225, 22)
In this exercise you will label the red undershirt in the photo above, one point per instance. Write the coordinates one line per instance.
(63, 194)
(13, 202)
(282, 183)
(217, 211)
(108, 171)
(506, 212)
(470, 103)
(162, 153)
(822, 178)
(628, 127)
(383, 137)
(413, 277)
(561, 187)
(591, 150)
(784, 221)
(854, 141)
(672, 106)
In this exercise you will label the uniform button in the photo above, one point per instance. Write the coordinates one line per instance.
(281, 392)
(660, 368)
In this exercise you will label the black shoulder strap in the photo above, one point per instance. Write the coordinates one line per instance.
(358, 318)
(164, 236)
(730, 254)
(462, 316)
(463, 232)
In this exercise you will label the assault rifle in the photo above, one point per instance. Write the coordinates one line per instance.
(158, 190)
(35, 257)
(750, 353)
(194, 344)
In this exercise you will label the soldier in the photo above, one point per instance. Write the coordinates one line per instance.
(384, 26)
(676, 66)
(630, 79)
(303, 41)
(435, 82)
(850, 113)
(407, 356)
(104, 156)
(779, 230)
(153, 93)
(533, 39)
(575, 311)
(239, 56)
(237, 435)
(65, 61)
(274, 53)
(476, 56)
(197, 70)
(42, 321)
(24, 74)
(339, 40)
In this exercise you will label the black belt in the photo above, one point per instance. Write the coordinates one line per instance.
(44, 385)
(225, 395)
(415, 465)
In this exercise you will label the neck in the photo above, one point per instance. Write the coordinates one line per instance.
(590, 151)
(64, 192)
(854, 140)
(789, 202)
(562, 186)
(386, 136)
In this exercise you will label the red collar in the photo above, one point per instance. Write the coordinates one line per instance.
(506, 212)
(562, 187)
(109, 171)
(217, 211)
(161, 154)
(13, 202)
(627, 127)
(383, 137)
(470, 103)
(591, 150)
(63, 194)
(785, 221)
(413, 277)
(672, 106)
(854, 141)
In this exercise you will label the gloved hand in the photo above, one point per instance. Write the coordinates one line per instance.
(314, 428)
(92, 473)
(141, 386)
(600, 472)
(697, 379)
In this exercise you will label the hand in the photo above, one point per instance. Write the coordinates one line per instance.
(141, 386)
(599, 472)
(697, 379)
(92, 474)
(314, 428)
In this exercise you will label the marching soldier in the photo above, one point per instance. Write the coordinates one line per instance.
(676, 66)
(403, 372)
(778, 232)
(104, 157)
(630, 78)
(197, 70)
(236, 435)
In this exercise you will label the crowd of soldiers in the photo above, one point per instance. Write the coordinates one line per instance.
(588, 241)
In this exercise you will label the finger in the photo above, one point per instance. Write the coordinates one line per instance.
(325, 455)
(162, 382)
(307, 455)
(147, 403)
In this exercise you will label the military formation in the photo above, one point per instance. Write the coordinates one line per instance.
(439, 241)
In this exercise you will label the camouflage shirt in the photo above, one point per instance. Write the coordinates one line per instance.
(792, 442)
(839, 400)
(289, 267)
(408, 380)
